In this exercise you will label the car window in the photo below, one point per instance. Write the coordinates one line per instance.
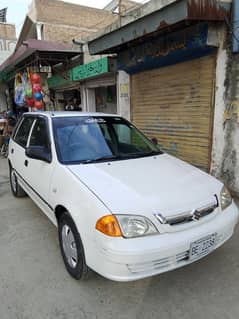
(23, 131)
(90, 139)
(130, 140)
(39, 136)
(80, 141)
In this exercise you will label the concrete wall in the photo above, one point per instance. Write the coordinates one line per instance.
(225, 151)
(87, 99)
(6, 49)
(7, 40)
(123, 94)
(7, 31)
(64, 21)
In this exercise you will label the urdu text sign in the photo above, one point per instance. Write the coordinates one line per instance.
(91, 69)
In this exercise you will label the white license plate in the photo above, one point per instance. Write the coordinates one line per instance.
(202, 247)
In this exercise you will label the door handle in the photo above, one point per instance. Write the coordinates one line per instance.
(26, 163)
(12, 150)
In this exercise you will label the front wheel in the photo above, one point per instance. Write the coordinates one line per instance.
(15, 187)
(71, 248)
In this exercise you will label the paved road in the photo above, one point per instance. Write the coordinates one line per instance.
(35, 285)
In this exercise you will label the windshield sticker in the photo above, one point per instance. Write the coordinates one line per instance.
(95, 120)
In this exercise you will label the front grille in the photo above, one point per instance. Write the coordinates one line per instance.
(182, 256)
(158, 264)
(189, 216)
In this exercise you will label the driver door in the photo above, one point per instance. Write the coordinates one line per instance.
(39, 172)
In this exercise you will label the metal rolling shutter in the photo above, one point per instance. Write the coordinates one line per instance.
(175, 105)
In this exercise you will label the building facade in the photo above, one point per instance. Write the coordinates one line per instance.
(63, 22)
(59, 21)
(183, 79)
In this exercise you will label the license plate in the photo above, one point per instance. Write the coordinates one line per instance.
(202, 247)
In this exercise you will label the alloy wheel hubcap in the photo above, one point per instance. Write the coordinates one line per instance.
(69, 246)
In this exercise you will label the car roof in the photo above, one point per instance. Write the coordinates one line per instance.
(53, 114)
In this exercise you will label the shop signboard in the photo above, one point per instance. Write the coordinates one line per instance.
(169, 49)
(91, 69)
(7, 76)
(59, 80)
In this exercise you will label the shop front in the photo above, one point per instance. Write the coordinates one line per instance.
(172, 92)
(25, 74)
(65, 94)
(170, 55)
(98, 81)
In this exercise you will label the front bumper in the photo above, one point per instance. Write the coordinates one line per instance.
(131, 259)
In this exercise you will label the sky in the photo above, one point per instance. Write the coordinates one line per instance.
(17, 9)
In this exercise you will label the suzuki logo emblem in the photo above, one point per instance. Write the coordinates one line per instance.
(196, 215)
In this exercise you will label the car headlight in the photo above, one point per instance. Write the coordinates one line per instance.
(225, 198)
(135, 226)
(128, 226)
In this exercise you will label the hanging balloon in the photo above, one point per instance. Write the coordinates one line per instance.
(38, 96)
(35, 78)
(39, 104)
(36, 87)
(29, 92)
(30, 102)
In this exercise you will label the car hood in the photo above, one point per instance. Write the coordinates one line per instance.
(157, 184)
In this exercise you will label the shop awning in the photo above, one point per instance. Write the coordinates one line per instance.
(34, 52)
(153, 19)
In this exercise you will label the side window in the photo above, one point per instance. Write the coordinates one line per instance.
(23, 131)
(39, 136)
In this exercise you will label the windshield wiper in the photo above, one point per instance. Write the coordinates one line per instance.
(152, 153)
(100, 159)
(121, 157)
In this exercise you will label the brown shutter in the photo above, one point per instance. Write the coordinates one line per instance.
(175, 105)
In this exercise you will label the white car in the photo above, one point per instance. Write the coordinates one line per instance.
(123, 208)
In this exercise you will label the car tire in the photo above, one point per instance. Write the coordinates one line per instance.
(15, 187)
(71, 248)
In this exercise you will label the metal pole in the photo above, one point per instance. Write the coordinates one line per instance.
(120, 12)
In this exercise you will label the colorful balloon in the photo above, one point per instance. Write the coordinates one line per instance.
(38, 96)
(39, 104)
(35, 78)
(29, 92)
(30, 102)
(36, 87)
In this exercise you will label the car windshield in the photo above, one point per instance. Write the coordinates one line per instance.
(94, 139)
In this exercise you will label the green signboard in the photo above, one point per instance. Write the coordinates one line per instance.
(7, 76)
(91, 69)
(59, 80)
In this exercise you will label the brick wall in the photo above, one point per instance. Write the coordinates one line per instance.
(63, 34)
(63, 21)
(64, 13)
(7, 41)
(7, 31)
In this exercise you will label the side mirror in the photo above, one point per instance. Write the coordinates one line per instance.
(154, 140)
(39, 152)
